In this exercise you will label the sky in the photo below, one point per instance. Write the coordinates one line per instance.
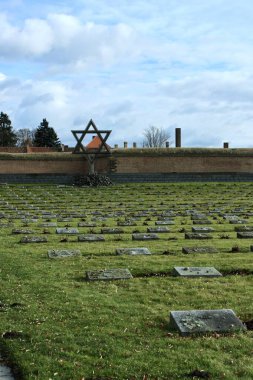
(129, 65)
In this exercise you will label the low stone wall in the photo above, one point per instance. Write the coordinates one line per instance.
(137, 165)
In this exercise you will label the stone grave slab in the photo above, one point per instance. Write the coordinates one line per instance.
(48, 224)
(48, 216)
(196, 272)
(108, 274)
(143, 236)
(201, 221)
(33, 239)
(165, 219)
(245, 235)
(126, 223)
(67, 231)
(62, 253)
(244, 229)
(238, 221)
(99, 219)
(21, 231)
(198, 217)
(112, 231)
(133, 251)
(90, 238)
(158, 229)
(199, 322)
(189, 250)
(202, 229)
(196, 235)
(32, 220)
(5, 225)
(164, 222)
(85, 224)
(230, 217)
(64, 219)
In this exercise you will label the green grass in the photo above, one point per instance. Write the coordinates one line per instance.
(73, 329)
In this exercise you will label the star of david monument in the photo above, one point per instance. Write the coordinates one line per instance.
(92, 152)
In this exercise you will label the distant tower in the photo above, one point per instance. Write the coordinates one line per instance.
(178, 137)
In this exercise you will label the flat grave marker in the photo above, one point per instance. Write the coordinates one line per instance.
(199, 322)
(86, 224)
(133, 251)
(62, 253)
(202, 229)
(66, 230)
(108, 274)
(48, 224)
(21, 231)
(164, 222)
(33, 239)
(196, 235)
(245, 235)
(90, 238)
(143, 236)
(202, 221)
(244, 228)
(126, 223)
(206, 249)
(112, 230)
(196, 272)
(158, 229)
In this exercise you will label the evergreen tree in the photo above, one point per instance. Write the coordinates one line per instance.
(7, 135)
(46, 136)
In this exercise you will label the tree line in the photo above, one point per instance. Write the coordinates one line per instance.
(42, 136)
(45, 136)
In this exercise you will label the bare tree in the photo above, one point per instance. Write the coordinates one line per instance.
(25, 137)
(155, 137)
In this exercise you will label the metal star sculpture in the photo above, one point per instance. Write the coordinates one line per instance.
(91, 129)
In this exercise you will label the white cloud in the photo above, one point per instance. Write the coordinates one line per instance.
(163, 62)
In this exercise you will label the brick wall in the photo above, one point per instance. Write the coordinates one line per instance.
(40, 166)
(183, 164)
(66, 163)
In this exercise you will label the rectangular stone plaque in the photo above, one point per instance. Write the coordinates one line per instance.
(202, 229)
(48, 224)
(202, 221)
(85, 224)
(126, 223)
(245, 235)
(64, 219)
(90, 238)
(196, 272)
(195, 322)
(197, 236)
(66, 230)
(112, 231)
(143, 236)
(108, 274)
(244, 229)
(164, 222)
(62, 253)
(189, 250)
(158, 229)
(20, 231)
(238, 221)
(133, 251)
(33, 239)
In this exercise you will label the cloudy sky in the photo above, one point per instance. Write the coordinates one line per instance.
(130, 64)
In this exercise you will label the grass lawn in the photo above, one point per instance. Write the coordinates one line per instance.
(54, 324)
